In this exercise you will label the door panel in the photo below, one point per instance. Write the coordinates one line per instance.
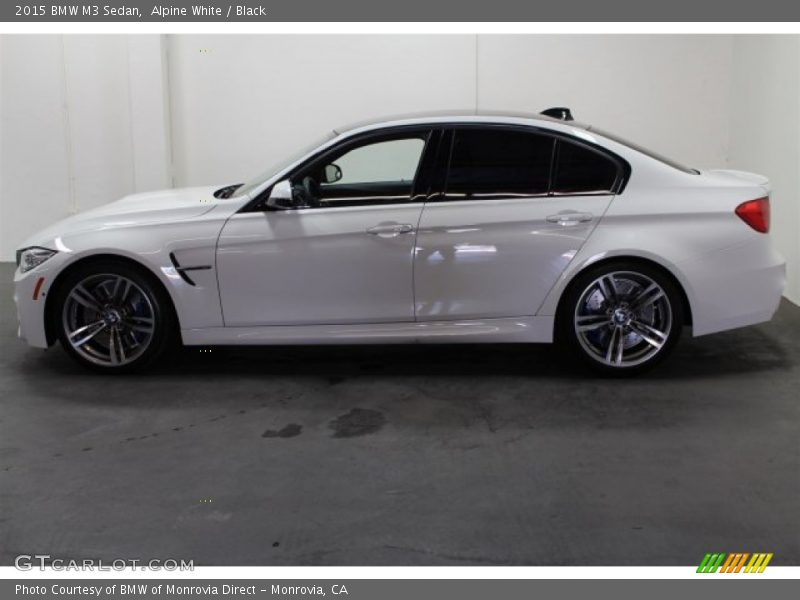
(318, 266)
(344, 253)
(518, 205)
(497, 258)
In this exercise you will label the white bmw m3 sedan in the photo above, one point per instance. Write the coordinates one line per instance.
(449, 229)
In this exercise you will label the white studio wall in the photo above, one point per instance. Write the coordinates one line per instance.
(84, 122)
(668, 93)
(32, 138)
(765, 134)
(91, 118)
(242, 103)
(261, 96)
(148, 95)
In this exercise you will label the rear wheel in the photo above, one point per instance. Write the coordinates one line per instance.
(621, 318)
(111, 317)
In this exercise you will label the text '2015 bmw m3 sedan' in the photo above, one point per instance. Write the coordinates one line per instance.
(437, 229)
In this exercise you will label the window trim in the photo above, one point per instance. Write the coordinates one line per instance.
(623, 167)
(428, 133)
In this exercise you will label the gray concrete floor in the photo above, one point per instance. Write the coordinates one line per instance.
(404, 455)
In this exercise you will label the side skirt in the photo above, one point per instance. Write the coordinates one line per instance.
(505, 330)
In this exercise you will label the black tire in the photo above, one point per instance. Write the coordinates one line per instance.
(639, 333)
(114, 321)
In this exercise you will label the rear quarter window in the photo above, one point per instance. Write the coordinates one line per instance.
(581, 170)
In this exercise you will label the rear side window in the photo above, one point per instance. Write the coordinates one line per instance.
(580, 170)
(493, 163)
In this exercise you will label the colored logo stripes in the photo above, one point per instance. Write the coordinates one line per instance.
(734, 563)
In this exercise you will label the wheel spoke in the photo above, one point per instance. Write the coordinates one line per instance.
(649, 334)
(616, 346)
(141, 324)
(590, 322)
(120, 291)
(650, 294)
(140, 319)
(620, 346)
(610, 347)
(86, 333)
(112, 349)
(115, 290)
(125, 292)
(608, 288)
(115, 347)
(121, 346)
(85, 298)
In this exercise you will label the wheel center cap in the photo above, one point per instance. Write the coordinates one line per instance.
(111, 316)
(621, 316)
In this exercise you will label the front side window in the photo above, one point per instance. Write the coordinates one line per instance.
(581, 170)
(238, 191)
(497, 163)
(394, 160)
(379, 171)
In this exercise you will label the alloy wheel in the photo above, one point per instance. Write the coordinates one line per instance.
(108, 319)
(623, 319)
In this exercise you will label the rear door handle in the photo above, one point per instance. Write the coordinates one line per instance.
(390, 229)
(570, 218)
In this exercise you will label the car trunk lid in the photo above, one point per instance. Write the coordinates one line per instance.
(734, 178)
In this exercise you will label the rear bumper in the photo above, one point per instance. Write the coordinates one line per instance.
(734, 287)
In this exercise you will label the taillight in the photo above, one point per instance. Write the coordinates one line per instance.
(755, 213)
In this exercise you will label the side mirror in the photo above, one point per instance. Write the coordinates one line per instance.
(332, 173)
(280, 198)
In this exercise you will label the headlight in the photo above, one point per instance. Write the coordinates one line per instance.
(28, 258)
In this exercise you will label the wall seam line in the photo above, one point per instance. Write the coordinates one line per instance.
(131, 132)
(477, 39)
(71, 199)
(169, 126)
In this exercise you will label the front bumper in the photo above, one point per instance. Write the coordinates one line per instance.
(30, 301)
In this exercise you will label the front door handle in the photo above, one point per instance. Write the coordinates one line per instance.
(390, 229)
(567, 218)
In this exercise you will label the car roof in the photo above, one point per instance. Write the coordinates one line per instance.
(461, 116)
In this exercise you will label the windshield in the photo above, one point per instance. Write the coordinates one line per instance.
(645, 151)
(257, 181)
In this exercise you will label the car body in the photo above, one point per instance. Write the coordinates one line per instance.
(429, 229)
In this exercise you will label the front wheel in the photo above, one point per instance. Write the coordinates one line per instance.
(113, 318)
(621, 318)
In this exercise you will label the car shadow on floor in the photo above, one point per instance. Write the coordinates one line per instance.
(746, 351)
(772, 346)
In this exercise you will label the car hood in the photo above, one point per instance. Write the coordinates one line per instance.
(134, 210)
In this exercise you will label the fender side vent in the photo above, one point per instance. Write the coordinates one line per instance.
(182, 270)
